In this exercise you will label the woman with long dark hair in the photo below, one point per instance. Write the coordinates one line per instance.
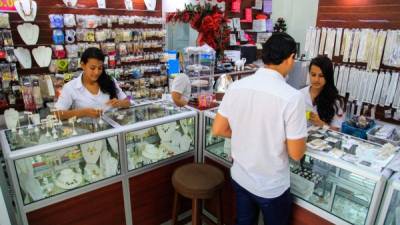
(322, 98)
(92, 92)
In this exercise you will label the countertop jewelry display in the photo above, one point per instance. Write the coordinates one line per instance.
(340, 178)
(156, 143)
(216, 146)
(47, 163)
(56, 160)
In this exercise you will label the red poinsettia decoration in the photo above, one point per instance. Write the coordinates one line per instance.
(208, 20)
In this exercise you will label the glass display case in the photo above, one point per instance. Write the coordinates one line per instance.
(389, 213)
(340, 192)
(150, 145)
(156, 132)
(143, 113)
(341, 175)
(57, 156)
(52, 130)
(215, 146)
(199, 63)
(339, 180)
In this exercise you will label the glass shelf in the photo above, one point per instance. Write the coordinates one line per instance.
(359, 152)
(44, 133)
(144, 113)
(220, 147)
(154, 144)
(335, 190)
(48, 174)
(393, 213)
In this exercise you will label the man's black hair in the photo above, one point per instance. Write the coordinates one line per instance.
(278, 48)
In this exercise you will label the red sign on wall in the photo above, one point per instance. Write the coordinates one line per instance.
(7, 5)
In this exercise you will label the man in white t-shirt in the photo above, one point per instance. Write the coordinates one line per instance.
(181, 90)
(265, 119)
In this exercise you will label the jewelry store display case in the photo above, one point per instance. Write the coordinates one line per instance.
(157, 139)
(64, 165)
(217, 148)
(340, 178)
(389, 212)
(58, 160)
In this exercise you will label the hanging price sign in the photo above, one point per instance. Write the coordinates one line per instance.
(7, 5)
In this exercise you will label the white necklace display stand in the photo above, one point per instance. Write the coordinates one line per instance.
(26, 9)
(150, 4)
(42, 56)
(24, 57)
(29, 33)
(70, 3)
(91, 151)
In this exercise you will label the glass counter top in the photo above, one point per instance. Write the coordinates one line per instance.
(145, 112)
(350, 149)
(51, 132)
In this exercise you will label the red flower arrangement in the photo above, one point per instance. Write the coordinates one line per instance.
(208, 20)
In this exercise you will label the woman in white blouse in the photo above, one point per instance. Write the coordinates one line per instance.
(92, 92)
(322, 97)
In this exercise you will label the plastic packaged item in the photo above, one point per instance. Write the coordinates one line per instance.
(72, 51)
(384, 134)
(56, 20)
(4, 20)
(70, 36)
(69, 20)
(58, 37)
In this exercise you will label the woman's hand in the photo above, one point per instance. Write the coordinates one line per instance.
(90, 112)
(116, 103)
(315, 120)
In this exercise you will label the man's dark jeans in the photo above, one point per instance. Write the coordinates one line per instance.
(276, 211)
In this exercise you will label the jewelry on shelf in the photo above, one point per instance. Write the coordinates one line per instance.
(29, 13)
(72, 121)
(91, 151)
(26, 9)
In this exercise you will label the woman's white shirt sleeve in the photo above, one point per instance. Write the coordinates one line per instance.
(65, 100)
(120, 94)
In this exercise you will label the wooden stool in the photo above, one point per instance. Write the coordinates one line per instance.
(197, 182)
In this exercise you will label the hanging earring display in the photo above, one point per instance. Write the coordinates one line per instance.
(26, 9)
(29, 33)
(150, 4)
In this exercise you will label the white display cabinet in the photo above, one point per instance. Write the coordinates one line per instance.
(340, 178)
(54, 161)
(155, 132)
(389, 213)
(217, 148)
(199, 63)
(341, 182)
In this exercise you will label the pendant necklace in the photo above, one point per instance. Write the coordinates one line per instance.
(23, 8)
